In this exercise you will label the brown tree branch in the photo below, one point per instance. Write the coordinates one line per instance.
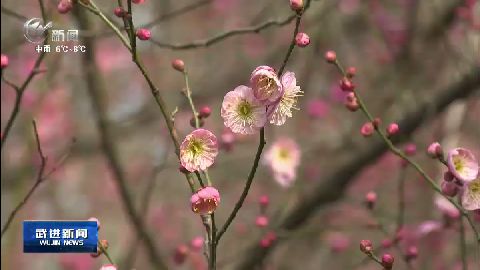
(38, 181)
(332, 186)
(108, 146)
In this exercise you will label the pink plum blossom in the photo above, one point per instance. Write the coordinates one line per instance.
(266, 85)
(283, 158)
(242, 112)
(471, 195)
(205, 201)
(198, 150)
(462, 164)
(288, 101)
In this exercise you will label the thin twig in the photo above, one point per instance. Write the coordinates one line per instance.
(38, 181)
(224, 35)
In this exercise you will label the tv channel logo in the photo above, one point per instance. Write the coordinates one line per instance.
(60, 236)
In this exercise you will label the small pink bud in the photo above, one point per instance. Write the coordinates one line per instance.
(261, 221)
(178, 65)
(366, 246)
(143, 34)
(377, 122)
(119, 12)
(197, 243)
(264, 200)
(351, 71)
(268, 239)
(392, 129)
(138, 1)
(330, 56)
(411, 253)
(180, 254)
(4, 61)
(347, 85)
(449, 188)
(410, 149)
(367, 129)
(387, 243)
(387, 261)
(296, 5)
(205, 112)
(448, 176)
(435, 150)
(351, 102)
(64, 6)
(370, 199)
(302, 40)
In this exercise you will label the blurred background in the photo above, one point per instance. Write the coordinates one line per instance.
(408, 53)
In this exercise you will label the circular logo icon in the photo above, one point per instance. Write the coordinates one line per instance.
(35, 31)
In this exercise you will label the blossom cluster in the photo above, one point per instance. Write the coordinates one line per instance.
(267, 99)
(462, 176)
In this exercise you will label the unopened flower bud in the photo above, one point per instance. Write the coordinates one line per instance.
(296, 5)
(119, 12)
(178, 65)
(138, 1)
(143, 34)
(180, 254)
(448, 176)
(387, 261)
(411, 253)
(347, 85)
(366, 246)
(351, 71)
(261, 221)
(264, 201)
(204, 112)
(370, 199)
(435, 150)
(330, 56)
(410, 149)
(302, 40)
(376, 122)
(392, 129)
(387, 243)
(64, 6)
(449, 188)
(367, 129)
(4, 61)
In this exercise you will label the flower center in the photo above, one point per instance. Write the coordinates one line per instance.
(283, 154)
(266, 84)
(244, 109)
(475, 187)
(458, 163)
(196, 147)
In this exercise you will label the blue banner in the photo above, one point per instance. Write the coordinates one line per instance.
(60, 236)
